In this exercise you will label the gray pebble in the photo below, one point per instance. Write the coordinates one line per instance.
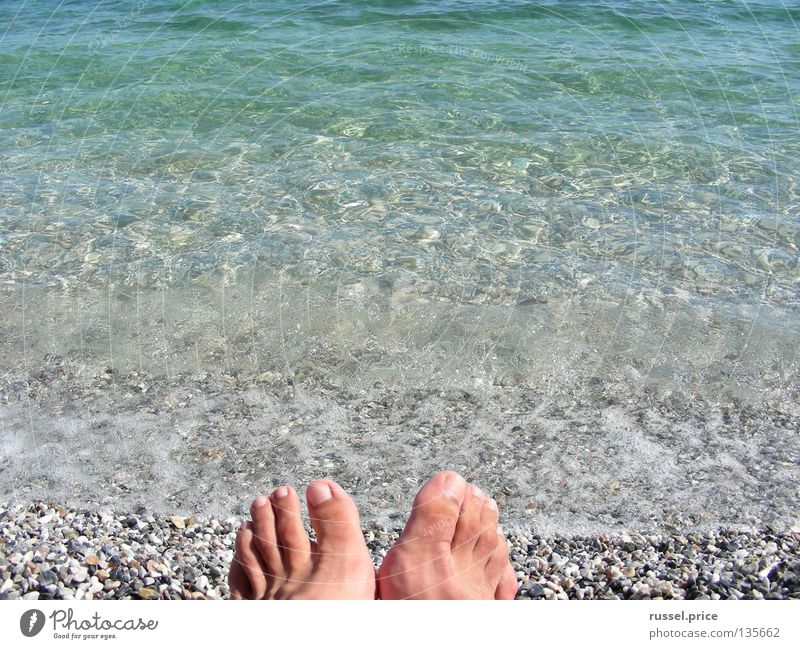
(151, 552)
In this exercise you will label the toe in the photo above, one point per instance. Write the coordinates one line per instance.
(249, 560)
(292, 539)
(334, 518)
(496, 560)
(238, 583)
(436, 509)
(488, 537)
(266, 538)
(507, 588)
(468, 527)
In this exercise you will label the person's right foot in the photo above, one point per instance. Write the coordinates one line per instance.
(276, 560)
(451, 547)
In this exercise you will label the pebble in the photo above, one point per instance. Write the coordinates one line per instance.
(92, 555)
(80, 575)
(147, 593)
(178, 522)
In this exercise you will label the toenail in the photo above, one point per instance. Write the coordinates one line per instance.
(281, 492)
(492, 504)
(260, 501)
(500, 530)
(476, 491)
(318, 493)
(453, 485)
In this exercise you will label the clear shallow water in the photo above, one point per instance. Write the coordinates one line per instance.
(504, 198)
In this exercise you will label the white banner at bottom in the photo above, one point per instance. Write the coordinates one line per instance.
(397, 624)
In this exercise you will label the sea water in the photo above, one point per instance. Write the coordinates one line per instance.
(552, 245)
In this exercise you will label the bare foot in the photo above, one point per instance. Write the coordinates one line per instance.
(276, 560)
(451, 547)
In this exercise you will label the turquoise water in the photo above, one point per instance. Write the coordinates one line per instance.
(551, 143)
(444, 192)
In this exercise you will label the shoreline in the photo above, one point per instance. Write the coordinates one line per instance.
(575, 450)
(53, 552)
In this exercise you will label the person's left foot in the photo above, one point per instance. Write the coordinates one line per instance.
(451, 548)
(276, 560)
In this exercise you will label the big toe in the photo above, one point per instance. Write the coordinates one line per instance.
(334, 517)
(436, 509)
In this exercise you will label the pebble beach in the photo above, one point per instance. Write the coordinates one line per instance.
(52, 552)
(552, 246)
